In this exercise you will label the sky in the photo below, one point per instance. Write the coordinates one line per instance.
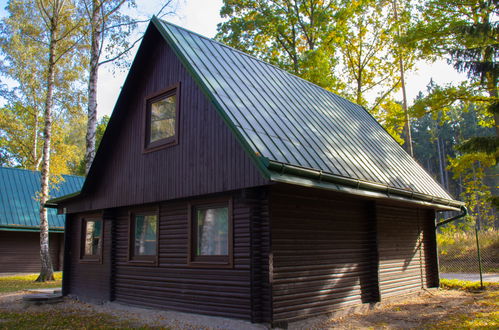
(202, 16)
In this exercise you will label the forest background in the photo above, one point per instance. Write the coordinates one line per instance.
(51, 52)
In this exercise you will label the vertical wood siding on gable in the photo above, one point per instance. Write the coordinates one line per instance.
(20, 251)
(207, 159)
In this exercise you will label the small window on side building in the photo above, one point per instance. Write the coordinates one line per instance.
(211, 234)
(91, 246)
(162, 120)
(144, 237)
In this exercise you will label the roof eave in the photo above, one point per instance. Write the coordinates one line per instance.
(55, 202)
(29, 228)
(291, 174)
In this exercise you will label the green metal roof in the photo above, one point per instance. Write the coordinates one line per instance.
(19, 209)
(282, 119)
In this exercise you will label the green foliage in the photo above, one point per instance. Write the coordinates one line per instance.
(437, 135)
(470, 168)
(370, 53)
(457, 248)
(298, 36)
(466, 33)
(79, 168)
(485, 144)
(24, 43)
(463, 285)
(25, 282)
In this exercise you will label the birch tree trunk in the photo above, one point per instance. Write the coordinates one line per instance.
(95, 22)
(34, 146)
(46, 272)
(407, 124)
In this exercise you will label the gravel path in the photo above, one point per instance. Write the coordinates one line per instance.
(144, 316)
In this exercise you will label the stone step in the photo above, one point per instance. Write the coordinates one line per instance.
(42, 298)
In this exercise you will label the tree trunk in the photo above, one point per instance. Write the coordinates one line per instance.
(92, 85)
(407, 124)
(440, 164)
(34, 147)
(47, 272)
(446, 172)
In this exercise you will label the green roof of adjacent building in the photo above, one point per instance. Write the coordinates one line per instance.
(19, 209)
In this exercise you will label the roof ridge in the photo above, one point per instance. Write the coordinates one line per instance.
(255, 58)
(36, 171)
(17, 169)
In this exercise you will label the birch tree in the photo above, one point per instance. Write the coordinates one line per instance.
(104, 21)
(57, 16)
(110, 41)
(49, 31)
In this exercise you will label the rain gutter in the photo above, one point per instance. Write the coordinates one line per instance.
(356, 183)
(464, 212)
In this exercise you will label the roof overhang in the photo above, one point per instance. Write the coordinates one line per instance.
(29, 229)
(55, 202)
(291, 174)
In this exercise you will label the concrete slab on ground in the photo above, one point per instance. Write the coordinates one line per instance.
(50, 290)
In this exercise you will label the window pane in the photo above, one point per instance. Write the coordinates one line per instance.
(93, 232)
(212, 232)
(163, 119)
(145, 235)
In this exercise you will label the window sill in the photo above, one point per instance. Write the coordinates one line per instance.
(144, 262)
(158, 145)
(210, 264)
(91, 260)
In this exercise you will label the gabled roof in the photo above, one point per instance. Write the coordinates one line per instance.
(19, 209)
(295, 132)
(300, 132)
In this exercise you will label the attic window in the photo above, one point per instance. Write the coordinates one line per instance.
(162, 119)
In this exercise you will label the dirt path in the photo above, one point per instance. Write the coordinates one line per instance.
(437, 308)
(432, 309)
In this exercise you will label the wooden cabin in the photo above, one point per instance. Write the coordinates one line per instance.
(226, 186)
(20, 220)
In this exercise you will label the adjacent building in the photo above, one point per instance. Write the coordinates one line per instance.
(20, 220)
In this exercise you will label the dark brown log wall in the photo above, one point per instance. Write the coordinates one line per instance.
(86, 280)
(406, 249)
(20, 251)
(330, 251)
(207, 158)
(173, 284)
(430, 248)
(323, 251)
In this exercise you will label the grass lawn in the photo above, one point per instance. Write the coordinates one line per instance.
(64, 319)
(24, 282)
